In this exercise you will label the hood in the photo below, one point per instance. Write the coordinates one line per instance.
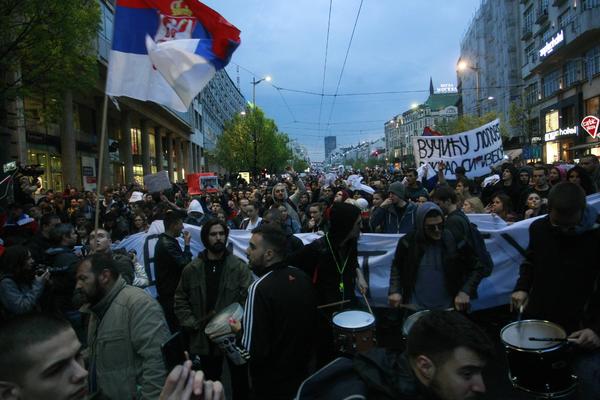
(422, 210)
(195, 206)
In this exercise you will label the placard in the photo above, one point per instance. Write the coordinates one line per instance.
(157, 182)
(477, 150)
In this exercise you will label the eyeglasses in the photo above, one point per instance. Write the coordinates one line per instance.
(435, 227)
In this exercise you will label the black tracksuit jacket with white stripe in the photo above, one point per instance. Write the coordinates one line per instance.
(279, 325)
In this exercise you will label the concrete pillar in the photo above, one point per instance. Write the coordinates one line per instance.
(14, 138)
(178, 157)
(107, 178)
(145, 147)
(195, 156)
(188, 162)
(125, 145)
(158, 131)
(170, 155)
(68, 147)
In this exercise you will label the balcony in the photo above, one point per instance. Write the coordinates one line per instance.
(558, 3)
(526, 33)
(542, 16)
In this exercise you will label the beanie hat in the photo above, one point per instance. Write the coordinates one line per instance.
(397, 188)
(342, 219)
(362, 204)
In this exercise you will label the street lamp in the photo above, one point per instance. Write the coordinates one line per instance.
(254, 133)
(463, 66)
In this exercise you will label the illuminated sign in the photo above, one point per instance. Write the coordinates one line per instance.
(552, 44)
(447, 88)
(550, 136)
(589, 123)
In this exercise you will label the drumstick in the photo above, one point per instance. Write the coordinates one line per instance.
(535, 339)
(337, 303)
(367, 301)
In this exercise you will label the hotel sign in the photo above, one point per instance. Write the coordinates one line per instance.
(550, 136)
(552, 44)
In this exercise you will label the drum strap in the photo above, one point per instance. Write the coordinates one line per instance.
(337, 265)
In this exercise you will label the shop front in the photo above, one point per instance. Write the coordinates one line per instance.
(560, 130)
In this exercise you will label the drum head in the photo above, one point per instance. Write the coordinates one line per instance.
(410, 321)
(517, 334)
(353, 319)
(219, 324)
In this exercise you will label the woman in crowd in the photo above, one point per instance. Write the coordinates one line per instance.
(534, 206)
(509, 185)
(580, 177)
(501, 206)
(20, 288)
(473, 205)
(555, 176)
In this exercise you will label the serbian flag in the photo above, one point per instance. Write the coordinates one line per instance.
(427, 131)
(166, 51)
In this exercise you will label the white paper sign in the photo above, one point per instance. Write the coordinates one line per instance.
(477, 150)
(157, 182)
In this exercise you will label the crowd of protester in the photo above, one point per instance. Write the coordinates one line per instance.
(49, 248)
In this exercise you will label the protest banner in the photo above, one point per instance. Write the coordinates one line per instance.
(477, 150)
(157, 182)
(505, 243)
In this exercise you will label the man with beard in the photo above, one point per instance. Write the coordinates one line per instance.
(278, 320)
(395, 214)
(332, 262)
(125, 331)
(208, 284)
(444, 358)
(169, 261)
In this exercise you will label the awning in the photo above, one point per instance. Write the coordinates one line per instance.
(585, 146)
(514, 153)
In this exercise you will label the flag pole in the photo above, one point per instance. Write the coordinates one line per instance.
(101, 161)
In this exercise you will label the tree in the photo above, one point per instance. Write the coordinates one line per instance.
(299, 164)
(235, 148)
(47, 47)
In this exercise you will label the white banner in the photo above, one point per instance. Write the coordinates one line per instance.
(477, 150)
(506, 244)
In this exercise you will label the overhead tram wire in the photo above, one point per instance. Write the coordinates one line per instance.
(345, 60)
(325, 63)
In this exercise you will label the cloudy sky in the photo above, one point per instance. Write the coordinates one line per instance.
(397, 45)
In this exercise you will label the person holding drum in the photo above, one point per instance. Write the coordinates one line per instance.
(559, 279)
(428, 271)
(332, 262)
(209, 284)
(444, 358)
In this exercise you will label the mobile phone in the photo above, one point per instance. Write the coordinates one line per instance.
(173, 351)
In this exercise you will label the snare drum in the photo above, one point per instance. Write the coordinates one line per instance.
(538, 367)
(354, 331)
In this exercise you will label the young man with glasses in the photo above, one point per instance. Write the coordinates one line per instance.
(559, 278)
(427, 270)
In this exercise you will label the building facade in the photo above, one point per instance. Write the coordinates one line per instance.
(330, 145)
(489, 66)
(561, 73)
(142, 137)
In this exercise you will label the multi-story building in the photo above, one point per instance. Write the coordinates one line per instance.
(330, 145)
(488, 69)
(142, 137)
(561, 73)
(439, 109)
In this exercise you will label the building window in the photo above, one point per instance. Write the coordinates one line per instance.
(530, 54)
(592, 106)
(571, 75)
(568, 116)
(136, 141)
(106, 31)
(138, 174)
(588, 4)
(546, 36)
(152, 140)
(551, 83)
(565, 18)
(593, 62)
(551, 121)
(531, 94)
(528, 20)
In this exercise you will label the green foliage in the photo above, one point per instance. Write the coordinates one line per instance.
(235, 147)
(299, 164)
(518, 118)
(47, 47)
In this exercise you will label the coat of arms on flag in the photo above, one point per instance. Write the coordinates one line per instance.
(166, 51)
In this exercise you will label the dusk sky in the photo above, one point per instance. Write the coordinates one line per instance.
(397, 46)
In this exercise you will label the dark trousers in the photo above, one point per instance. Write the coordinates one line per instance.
(212, 366)
(168, 308)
